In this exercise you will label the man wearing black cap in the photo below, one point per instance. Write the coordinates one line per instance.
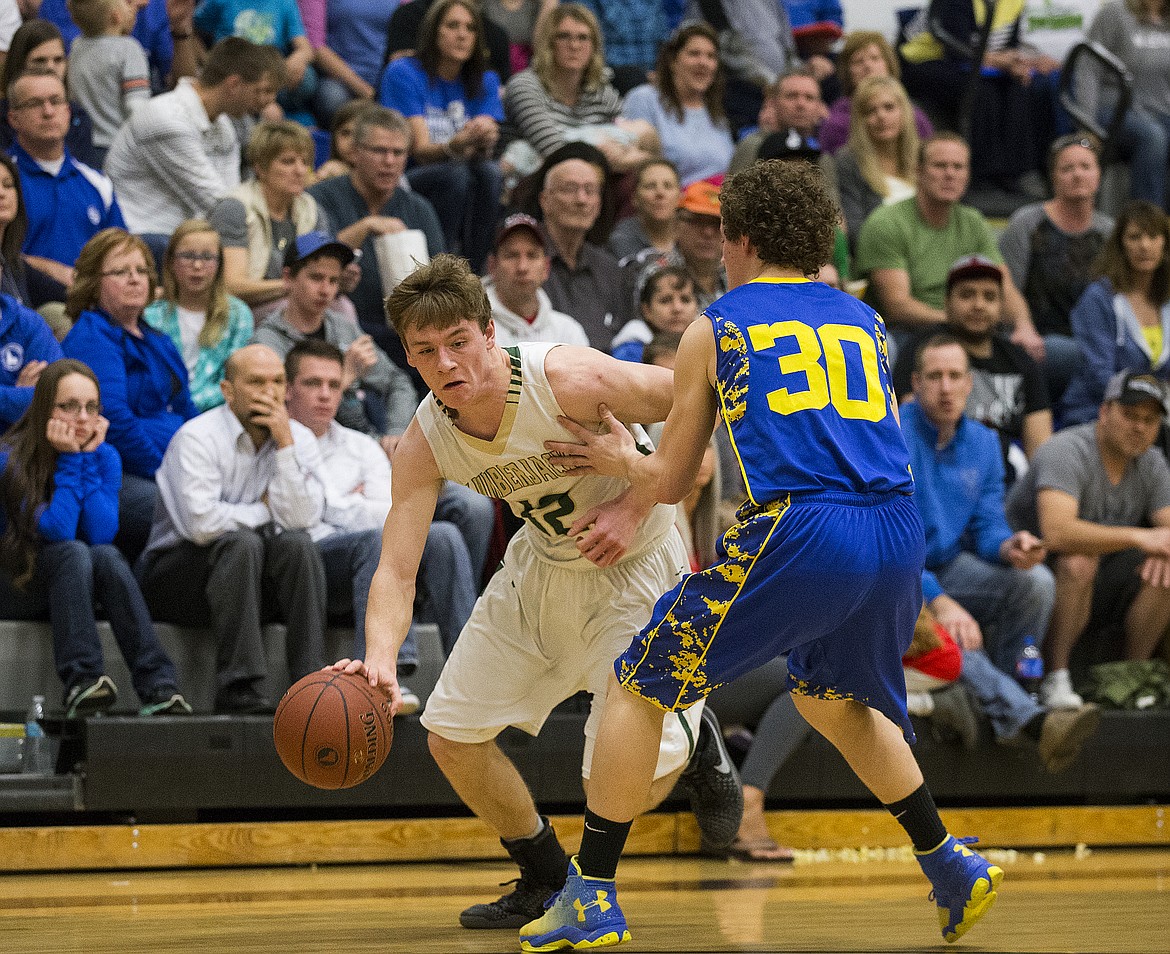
(1008, 393)
(379, 397)
(518, 265)
(1099, 495)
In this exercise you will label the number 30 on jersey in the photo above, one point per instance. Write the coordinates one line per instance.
(830, 383)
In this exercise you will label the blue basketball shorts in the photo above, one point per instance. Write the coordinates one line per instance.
(832, 579)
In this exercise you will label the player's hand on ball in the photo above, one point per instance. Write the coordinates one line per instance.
(381, 677)
(609, 452)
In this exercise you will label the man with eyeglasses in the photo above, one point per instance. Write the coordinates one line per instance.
(67, 202)
(370, 202)
(585, 280)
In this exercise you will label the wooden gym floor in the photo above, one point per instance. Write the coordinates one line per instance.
(834, 899)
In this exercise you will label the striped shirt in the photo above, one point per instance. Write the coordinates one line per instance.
(544, 121)
(170, 161)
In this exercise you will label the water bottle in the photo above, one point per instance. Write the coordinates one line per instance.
(1030, 668)
(38, 757)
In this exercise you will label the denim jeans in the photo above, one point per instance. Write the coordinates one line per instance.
(1062, 360)
(70, 576)
(475, 516)
(466, 197)
(447, 583)
(1145, 142)
(1008, 604)
(135, 512)
(1000, 697)
(350, 561)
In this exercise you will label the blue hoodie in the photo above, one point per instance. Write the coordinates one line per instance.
(84, 502)
(145, 395)
(24, 337)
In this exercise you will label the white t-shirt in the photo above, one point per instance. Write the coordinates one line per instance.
(190, 324)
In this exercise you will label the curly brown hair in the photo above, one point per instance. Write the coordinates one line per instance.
(438, 295)
(786, 212)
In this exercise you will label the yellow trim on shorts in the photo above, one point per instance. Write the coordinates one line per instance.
(784, 507)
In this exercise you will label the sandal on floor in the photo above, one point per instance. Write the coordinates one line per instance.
(759, 849)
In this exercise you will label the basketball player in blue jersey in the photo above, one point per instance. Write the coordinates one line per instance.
(824, 562)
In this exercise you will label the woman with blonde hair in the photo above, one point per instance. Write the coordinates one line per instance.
(564, 96)
(878, 166)
(864, 54)
(195, 311)
(262, 216)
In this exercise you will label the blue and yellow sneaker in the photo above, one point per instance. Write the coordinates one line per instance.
(964, 884)
(583, 915)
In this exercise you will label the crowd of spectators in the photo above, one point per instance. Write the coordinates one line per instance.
(204, 201)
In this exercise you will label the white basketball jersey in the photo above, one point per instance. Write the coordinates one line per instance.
(515, 467)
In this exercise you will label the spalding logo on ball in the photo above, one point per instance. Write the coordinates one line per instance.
(333, 729)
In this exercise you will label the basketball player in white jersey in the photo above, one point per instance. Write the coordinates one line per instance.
(576, 584)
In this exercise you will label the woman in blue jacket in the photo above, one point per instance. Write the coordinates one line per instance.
(143, 378)
(1122, 321)
(59, 484)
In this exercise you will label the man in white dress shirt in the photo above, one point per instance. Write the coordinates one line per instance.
(357, 499)
(240, 487)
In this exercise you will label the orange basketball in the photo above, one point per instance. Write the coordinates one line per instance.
(332, 729)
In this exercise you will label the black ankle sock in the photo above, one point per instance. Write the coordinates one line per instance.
(1034, 726)
(918, 815)
(601, 846)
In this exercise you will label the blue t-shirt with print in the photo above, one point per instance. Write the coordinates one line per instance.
(266, 22)
(444, 104)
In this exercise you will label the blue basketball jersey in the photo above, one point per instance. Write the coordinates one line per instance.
(805, 387)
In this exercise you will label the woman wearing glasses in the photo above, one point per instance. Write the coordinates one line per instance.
(142, 375)
(564, 96)
(195, 311)
(59, 482)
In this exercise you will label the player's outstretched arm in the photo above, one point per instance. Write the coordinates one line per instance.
(668, 474)
(583, 378)
(415, 484)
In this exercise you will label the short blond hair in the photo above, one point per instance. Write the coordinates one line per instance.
(92, 16)
(272, 139)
